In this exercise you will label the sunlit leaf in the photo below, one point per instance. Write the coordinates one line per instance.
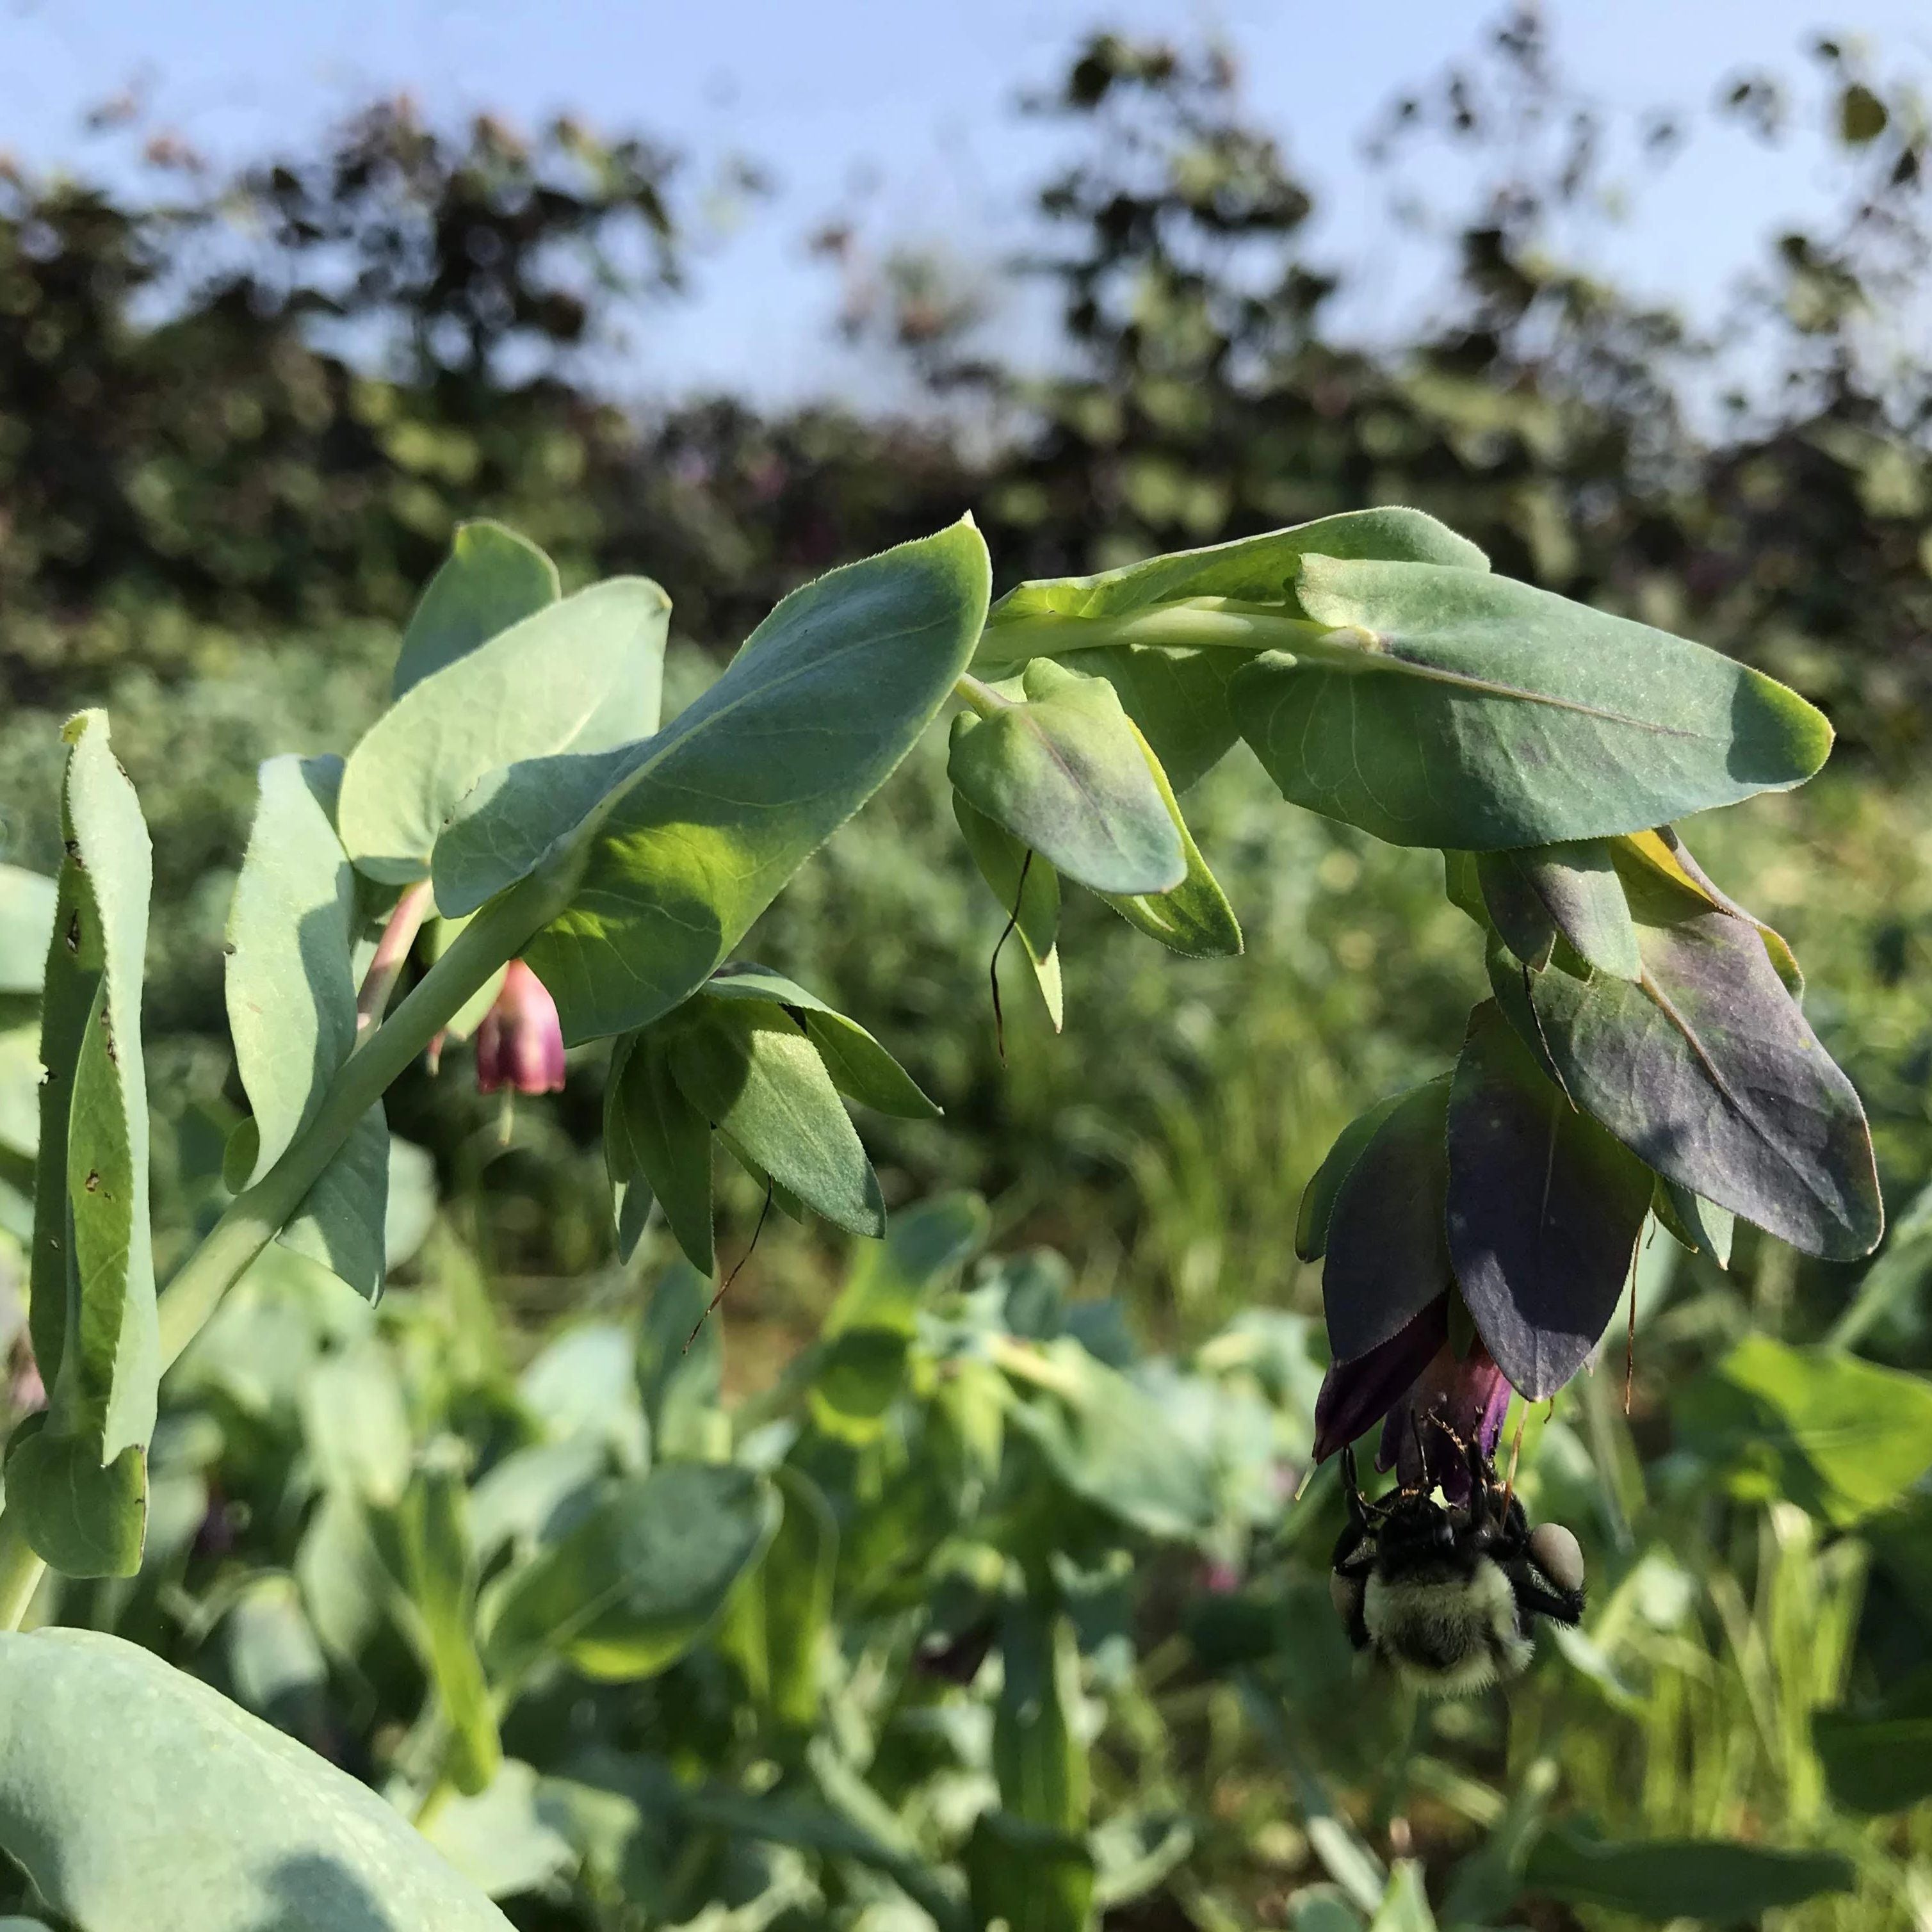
(218, 1822)
(76, 1473)
(580, 676)
(1843, 1438)
(680, 843)
(1457, 708)
(1194, 918)
(491, 579)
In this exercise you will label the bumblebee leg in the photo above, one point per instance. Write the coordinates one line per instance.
(1558, 1606)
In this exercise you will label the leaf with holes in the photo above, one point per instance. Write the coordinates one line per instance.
(76, 1473)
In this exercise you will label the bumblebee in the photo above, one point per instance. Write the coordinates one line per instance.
(1446, 1594)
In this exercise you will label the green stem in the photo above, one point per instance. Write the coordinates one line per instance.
(1193, 623)
(21, 1570)
(983, 698)
(495, 936)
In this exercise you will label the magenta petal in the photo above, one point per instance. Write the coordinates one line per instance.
(1451, 1403)
(1355, 1395)
(520, 1043)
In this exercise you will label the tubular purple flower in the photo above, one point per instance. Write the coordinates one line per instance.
(1451, 1404)
(520, 1044)
(1427, 1400)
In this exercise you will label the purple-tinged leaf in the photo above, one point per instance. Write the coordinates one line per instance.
(1544, 1209)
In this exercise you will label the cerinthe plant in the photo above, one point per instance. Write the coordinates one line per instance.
(1644, 1056)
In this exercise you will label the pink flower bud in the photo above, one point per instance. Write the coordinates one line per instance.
(520, 1044)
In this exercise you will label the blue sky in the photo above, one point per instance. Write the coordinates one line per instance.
(915, 97)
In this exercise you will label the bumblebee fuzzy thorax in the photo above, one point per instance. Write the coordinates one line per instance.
(1446, 1596)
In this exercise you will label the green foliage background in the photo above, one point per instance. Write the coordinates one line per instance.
(227, 460)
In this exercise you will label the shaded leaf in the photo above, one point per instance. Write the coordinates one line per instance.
(1709, 1073)
(861, 1069)
(1194, 918)
(749, 1069)
(796, 1580)
(581, 675)
(637, 1580)
(219, 1823)
(1064, 771)
(1458, 709)
(1027, 889)
(1534, 895)
(344, 1218)
(1388, 1247)
(654, 1136)
(1110, 1441)
(1318, 1198)
(1702, 1227)
(683, 841)
(1544, 1211)
(491, 579)
(1878, 1756)
(1679, 1878)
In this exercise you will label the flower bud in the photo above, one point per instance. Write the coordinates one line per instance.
(520, 1044)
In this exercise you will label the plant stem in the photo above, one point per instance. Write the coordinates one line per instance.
(1192, 623)
(393, 949)
(21, 1570)
(983, 698)
(253, 1219)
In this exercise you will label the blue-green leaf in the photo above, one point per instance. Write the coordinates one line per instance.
(680, 843)
(491, 579)
(1452, 708)
(583, 675)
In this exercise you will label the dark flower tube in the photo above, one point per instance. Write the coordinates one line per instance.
(1428, 1401)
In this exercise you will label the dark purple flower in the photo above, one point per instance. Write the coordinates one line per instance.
(1429, 1402)
(520, 1044)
